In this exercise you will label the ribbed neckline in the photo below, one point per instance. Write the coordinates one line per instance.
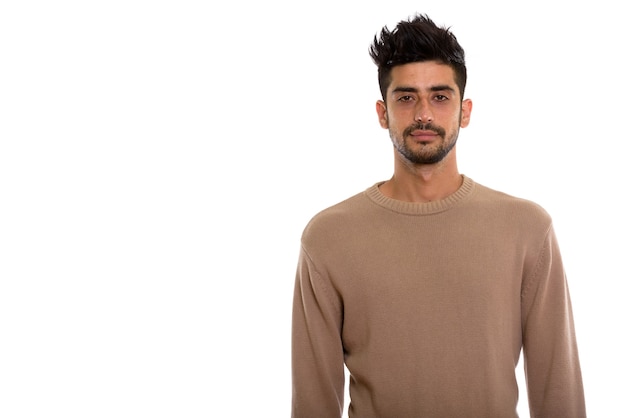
(429, 208)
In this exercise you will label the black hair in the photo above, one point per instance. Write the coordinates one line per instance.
(417, 39)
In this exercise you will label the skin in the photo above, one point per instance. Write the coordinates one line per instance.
(423, 112)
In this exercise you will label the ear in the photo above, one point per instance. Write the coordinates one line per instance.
(381, 109)
(466, 111)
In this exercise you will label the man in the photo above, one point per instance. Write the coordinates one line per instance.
(429, 285)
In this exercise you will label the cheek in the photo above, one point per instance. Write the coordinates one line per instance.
(397, 120)
(451, 119)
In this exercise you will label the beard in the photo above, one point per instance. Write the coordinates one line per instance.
(428, 153)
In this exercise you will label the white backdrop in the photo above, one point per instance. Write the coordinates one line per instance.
(159, 160)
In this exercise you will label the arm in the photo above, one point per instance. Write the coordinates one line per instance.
(552, 366)
(317, 350)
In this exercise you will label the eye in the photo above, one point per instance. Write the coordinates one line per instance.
(405, 98)
(440, 98)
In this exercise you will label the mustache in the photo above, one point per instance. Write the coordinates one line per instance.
(420, 126)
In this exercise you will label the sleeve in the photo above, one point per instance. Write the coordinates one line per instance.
(553, 374)
(317, 351)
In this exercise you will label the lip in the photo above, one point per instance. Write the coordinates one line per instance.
(424, 135)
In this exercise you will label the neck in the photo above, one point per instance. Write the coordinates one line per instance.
(423, 183)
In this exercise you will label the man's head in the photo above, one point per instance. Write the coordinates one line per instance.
(422, 77)
(418, 39)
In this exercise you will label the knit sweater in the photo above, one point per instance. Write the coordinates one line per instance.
(429, 306)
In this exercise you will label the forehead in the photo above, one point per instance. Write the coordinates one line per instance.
(422, 75)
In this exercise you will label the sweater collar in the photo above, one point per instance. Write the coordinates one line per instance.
(411, 208)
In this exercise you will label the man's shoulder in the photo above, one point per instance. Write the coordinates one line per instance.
(341, 210)
(510, 204)
(331, 220)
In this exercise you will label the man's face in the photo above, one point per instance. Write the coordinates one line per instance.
(423, 111)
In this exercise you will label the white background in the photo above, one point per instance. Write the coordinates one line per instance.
(159, 160)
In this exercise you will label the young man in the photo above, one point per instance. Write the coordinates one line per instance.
(428, 285)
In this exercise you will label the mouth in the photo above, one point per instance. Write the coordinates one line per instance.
(423, 136)
(424, 133)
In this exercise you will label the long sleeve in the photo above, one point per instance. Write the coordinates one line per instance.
(428, 305)
(552, 366)
(317, 352)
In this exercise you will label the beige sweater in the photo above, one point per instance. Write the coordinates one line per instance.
(429, 305)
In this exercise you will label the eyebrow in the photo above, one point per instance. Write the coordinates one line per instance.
(441, 87)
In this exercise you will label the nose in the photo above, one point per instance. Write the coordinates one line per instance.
(423, 113)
